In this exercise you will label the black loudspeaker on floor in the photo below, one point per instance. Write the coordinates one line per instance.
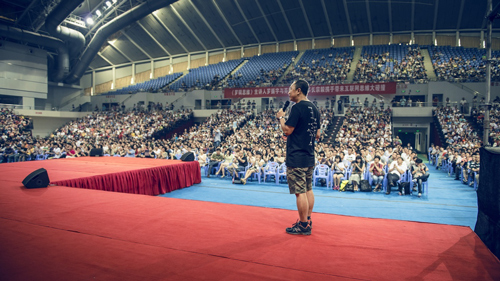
(188, 156)
(37, 179)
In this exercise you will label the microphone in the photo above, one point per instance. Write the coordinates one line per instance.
(286, 105)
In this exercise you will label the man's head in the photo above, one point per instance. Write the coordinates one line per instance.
(298, 88)
(400, 160)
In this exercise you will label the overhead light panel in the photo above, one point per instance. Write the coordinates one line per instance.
(111, 42)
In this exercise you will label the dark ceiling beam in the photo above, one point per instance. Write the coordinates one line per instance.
(154, 39)
(227, 23)
(390, 15)
(435, 16)
(14, 4)
(246, 20)
(265, 18)
(136, 45)
(104, 58)
(120, 51)
(306, 18)
(20, 18)
(206, 23)
(348, 17)
(369, 16)
(412, 22)
(189, 28)
(327, 17)
(169, 31)
(459, 21)
(286, 19)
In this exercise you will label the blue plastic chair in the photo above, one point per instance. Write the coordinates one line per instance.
(270, 170)
(321, 171)
(281, 173)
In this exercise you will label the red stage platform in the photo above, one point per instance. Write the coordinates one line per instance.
(119, 174)
(60, 233)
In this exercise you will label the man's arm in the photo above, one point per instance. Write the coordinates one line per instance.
(287, 130)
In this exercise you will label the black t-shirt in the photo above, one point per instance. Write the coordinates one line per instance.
(305, 118)
(244, 163)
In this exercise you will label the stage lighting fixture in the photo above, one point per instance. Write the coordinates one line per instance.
(98, 13)
(90, 21)
(108, 4)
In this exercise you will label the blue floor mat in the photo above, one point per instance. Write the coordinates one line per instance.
(449, 201)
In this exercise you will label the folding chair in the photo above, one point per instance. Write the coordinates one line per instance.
(321, 171)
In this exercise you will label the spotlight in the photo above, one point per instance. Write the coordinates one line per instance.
(108, 4)
(114, 1)
(90, 21)
(98, 13)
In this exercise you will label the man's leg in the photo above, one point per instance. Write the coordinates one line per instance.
(297, 184)
(310, 201)
(309, 193)
(302, 206)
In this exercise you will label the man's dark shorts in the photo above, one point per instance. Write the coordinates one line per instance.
(299, 179)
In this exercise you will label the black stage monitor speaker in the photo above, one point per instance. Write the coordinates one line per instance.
(37, 179)
(188, 156)
(96, 152)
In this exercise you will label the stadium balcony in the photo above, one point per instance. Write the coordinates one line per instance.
(459, 64)
(152, 85)
(262, 70)
(383, 63)
(210, 75)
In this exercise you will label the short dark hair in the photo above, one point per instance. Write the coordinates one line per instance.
(376, 157)
(302, 85)
(418, 161)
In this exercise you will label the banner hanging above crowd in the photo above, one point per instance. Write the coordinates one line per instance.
(315, 90)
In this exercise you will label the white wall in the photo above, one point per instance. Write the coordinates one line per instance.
(141, 67)
(412, 111)
(161, 63)
(60, 95)
(103, 76)
(86, 81)
(123, 72)
(23, 71)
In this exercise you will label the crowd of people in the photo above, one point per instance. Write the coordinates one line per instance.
(14, 129)
(319, 73)
(410, 68)
(130, 133)
(477, 114)
(369, 149)
(263, 79)
(366, 126)
(458, 132)
(237, 139)
(459, 69)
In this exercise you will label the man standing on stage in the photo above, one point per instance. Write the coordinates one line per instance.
(302, 129)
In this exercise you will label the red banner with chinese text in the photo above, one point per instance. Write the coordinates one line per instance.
(315, 90)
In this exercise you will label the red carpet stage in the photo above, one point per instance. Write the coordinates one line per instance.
(119, 174)
(61, 233)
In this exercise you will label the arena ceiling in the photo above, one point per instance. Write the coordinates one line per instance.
(190, 26)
